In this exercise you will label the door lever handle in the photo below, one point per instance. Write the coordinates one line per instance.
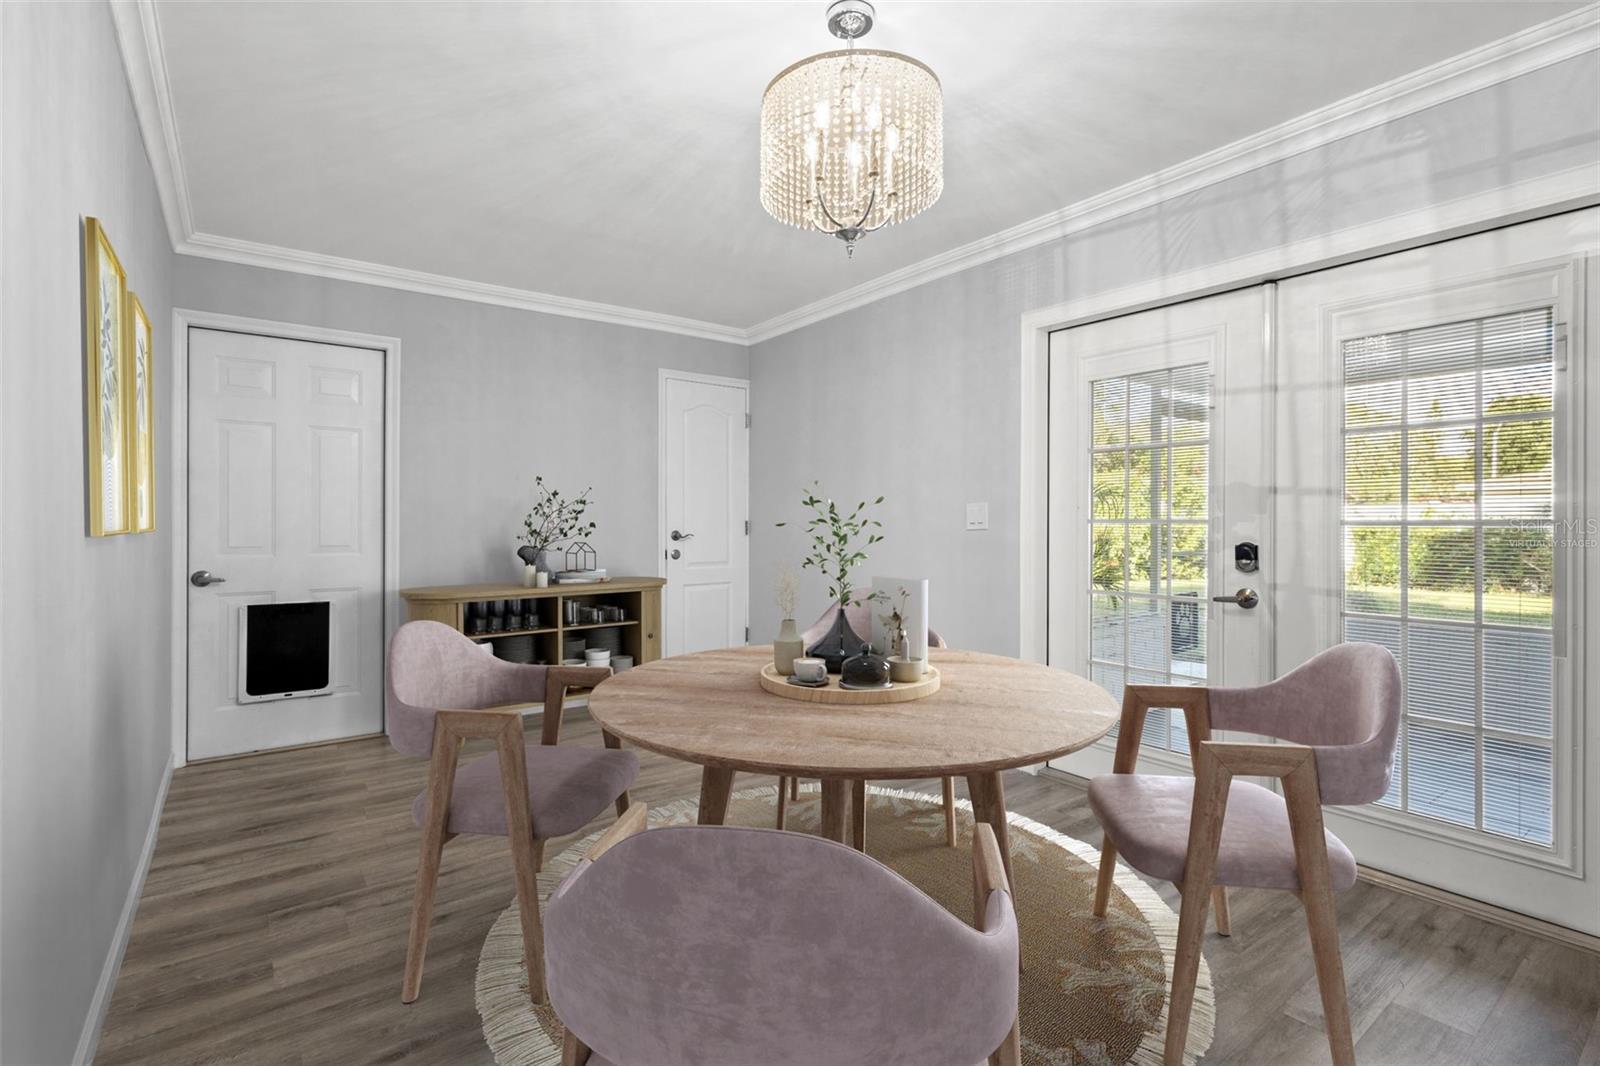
(201, 578)
(1245, 598)
(682, 536)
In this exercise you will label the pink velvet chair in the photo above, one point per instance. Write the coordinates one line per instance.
(860, 619)
(443, 689)
(727, 946)
(1340, 714)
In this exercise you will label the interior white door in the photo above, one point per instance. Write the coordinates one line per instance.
(1434, 470)
(705, 494)
(285, 504)
(1159, 463)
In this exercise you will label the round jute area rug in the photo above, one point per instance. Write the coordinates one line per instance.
(1093, 990)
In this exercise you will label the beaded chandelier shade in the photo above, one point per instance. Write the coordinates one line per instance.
(852, 140)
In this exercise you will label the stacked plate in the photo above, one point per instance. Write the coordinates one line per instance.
(605, 640)
(514, 649)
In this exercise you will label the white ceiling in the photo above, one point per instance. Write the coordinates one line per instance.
(607, 151)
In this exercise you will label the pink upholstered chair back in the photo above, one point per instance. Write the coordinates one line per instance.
(432, 667)
(1345, 703)
(725, 945)
(860, 618)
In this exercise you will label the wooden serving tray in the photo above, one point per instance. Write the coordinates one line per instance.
(899, 692)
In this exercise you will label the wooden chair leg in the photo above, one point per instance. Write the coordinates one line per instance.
(858, 814)
(1304, 801)
(1199, 876)
(948, 787)
(1219, 907)
(574, 1052)
(782, 821)
(794, 788)
(1108, 873)
(538, 855)
(441, 781)
(514, 782)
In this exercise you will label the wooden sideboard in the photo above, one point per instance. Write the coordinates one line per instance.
(639, 598)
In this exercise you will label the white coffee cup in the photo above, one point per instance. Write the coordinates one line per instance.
(811, 670)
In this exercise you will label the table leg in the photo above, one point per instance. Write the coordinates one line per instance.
(835, 808)
(716, 784)
(858, 814)
(989, 805)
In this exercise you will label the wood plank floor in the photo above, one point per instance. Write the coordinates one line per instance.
(272, 930)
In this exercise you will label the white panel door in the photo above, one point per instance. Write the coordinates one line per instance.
(1432, 452)
(1159, 464)
(285, 504)
(705, 492)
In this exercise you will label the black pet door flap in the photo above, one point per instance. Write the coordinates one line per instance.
(283, 650)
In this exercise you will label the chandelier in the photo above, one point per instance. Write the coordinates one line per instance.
(851, 140)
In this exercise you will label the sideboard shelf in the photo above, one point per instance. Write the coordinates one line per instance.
(639, 598)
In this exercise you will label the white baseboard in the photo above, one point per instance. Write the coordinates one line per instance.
(89, 1039)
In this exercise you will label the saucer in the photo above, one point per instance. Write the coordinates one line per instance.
(808, 684)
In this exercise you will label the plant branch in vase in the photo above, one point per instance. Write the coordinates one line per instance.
(553, 519)
(839, 540)
(788, 647)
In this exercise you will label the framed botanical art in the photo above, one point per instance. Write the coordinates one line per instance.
(140, 417)
(105, 288)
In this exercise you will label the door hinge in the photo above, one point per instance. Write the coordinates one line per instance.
(747, 420)
(747, 634)
(747, 527)
(1561, 345)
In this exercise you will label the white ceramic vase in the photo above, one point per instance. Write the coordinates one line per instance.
(787, 648)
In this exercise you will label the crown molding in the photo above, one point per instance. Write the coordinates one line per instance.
(138, 30)
(1538, 46)
(271, 256)
(139, 37)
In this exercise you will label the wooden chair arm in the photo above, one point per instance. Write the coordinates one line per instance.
(482, 724)
(631, 822)
(558, 679)
(988, 871)
(1263, 760)
(1137, 700)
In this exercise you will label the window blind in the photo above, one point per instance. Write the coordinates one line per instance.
(1448, 558)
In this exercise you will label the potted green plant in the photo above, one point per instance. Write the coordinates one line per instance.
(839, 540)
(553, 519)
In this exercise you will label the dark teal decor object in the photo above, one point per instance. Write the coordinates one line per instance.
(837, 644)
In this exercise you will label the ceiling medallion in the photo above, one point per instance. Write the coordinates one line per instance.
(852, 140)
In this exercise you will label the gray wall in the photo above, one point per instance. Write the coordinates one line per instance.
(916, 396)
(491, 396)
(84, 658)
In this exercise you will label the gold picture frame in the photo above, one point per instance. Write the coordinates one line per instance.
(139, 377)
(105, 290)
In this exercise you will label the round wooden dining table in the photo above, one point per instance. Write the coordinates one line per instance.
(991, 713)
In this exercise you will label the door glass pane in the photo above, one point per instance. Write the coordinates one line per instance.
(1448, 558)
(1150, 463)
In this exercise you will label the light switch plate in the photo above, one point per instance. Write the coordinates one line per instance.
(977, 516)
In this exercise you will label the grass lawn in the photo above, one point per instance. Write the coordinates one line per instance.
(1499, 607)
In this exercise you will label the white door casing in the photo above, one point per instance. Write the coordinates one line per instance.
(286, 487)
(1549, 264)
(705, 493)
(1214, 348)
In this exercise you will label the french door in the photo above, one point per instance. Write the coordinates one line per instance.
(1406, 441)
(1431, 468)
(1160, 430)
